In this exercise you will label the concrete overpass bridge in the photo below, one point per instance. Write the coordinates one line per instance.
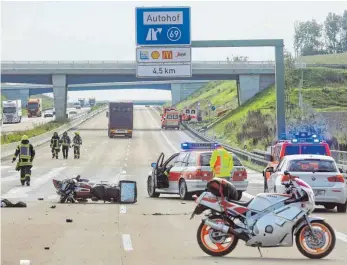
(251, 77)
(24, 91)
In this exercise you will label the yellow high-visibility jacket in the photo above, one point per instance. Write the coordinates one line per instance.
(221, 163)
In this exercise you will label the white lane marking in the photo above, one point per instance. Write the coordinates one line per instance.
(126, 157)
(162, 133)
(341, 236)
(127, 245)
(4, 167)
(24, 262)
(20, 192)
(123, 209)
(123, 172)
(64, 164)
(11, 171)
(125, 165)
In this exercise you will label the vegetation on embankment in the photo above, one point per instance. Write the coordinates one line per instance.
(337, 58)
(253, 124)
(97, 106)
(38, 130)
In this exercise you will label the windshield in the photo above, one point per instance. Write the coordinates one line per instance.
(9, 110)
(292, 150)
(312, 165)
(33, 105)
(172, 117)
(205, 160)
(313, 149)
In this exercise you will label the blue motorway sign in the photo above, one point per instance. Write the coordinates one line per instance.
(162, 26)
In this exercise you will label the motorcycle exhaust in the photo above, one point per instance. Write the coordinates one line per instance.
(219, 227)
(226, 229)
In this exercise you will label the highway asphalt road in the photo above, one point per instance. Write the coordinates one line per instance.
(30, 123)
(152, 231)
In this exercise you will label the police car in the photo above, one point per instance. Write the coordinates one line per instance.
(320, 172)
(189, 172)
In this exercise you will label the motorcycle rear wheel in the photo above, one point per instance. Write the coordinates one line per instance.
(221, 249)
(314, 250)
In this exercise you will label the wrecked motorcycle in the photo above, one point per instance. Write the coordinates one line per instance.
(77, 189)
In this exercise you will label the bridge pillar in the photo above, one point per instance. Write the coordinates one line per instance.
(60, 96)
(250, 85)
(175, 93)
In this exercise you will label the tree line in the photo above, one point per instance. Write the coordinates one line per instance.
(312, 38)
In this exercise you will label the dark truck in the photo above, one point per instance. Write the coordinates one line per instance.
(120, 119)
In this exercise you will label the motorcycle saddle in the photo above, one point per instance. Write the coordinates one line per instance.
(241, 203)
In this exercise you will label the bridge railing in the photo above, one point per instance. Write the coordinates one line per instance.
(87, 65)
(130, 62)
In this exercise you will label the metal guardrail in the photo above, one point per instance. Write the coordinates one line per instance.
(244, 155)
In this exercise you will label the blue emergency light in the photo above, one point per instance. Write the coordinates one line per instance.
(305, 137)
(197, 146)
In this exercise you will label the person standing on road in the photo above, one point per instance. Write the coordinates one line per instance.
(77, 142)
(66, 144)
(55, 145)
(221, 163)
(26, 153)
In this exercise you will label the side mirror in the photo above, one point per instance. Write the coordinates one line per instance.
(286, 173)
(270, 169)
(154, 165)
(342, 171)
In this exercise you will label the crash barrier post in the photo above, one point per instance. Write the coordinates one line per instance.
(7, 150)
(244, 155)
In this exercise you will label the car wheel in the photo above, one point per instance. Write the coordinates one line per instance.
(341, 208)
(183, 191)
(151, 189)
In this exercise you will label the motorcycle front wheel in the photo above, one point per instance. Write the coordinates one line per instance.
(63, 198)
(318, 244)
(215, 243)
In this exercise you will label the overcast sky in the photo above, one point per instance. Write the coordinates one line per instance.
(106, 30)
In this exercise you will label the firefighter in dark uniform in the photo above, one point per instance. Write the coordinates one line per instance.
(77, 142)
(66, 144)
(26, 153)
(55, 145)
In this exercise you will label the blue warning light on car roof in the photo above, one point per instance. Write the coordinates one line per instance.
(197, 146)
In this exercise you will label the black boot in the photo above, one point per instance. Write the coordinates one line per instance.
(22, 182)
(28, 181)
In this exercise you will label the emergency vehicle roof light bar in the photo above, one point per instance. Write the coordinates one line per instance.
(196, 146)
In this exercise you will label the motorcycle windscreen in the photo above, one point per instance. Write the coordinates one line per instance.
(128, 191)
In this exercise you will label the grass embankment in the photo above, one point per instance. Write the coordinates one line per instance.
(221, 94)
(41, 129)
(253, 124)
(339, 58)
(97, 106)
